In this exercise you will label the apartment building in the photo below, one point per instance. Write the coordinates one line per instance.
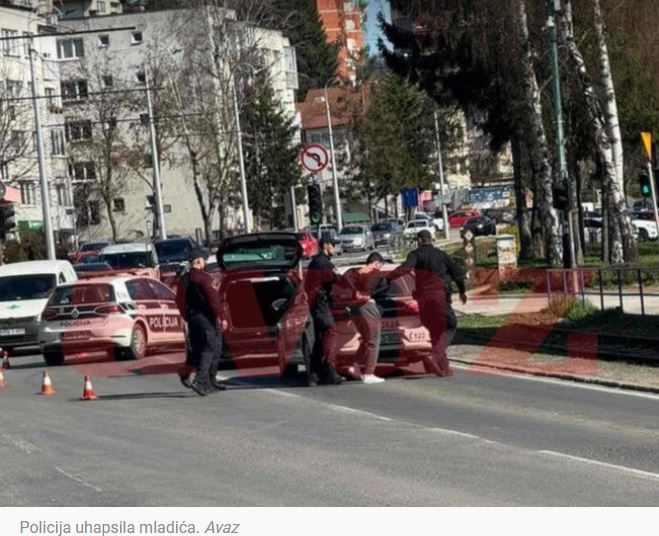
(342, 21)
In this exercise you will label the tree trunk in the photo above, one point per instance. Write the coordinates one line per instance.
(542, 171)
(537, 234)
(610, 101)
(606, 257)
(622, 242)
(523, 225)
(113, 224)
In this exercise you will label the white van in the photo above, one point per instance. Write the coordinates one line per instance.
(24, 290)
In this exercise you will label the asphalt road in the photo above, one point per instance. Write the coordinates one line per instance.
(473, 439)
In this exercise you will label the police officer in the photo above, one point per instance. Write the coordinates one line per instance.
(320, 280)
(198, 300)
(433, 270)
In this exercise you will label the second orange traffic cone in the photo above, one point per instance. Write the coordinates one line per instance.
(2, 380)
(88, 392)
(47, 388)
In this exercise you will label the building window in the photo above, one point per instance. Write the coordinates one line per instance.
(350, 25)
(136, 38)
(119, 205)
(18, 140)
(140, 77)
(82, 171)
(94, 212)
(100, 6)
(74, 90)
(104, 40)
(290, 60)
(78, 130)
(57, 140)
(4, 171)
(13, 88)
(62, 195)
(26, 44)
(69, 49)
(50, 96)
(347, 7)
(28, 193)
(107, 81)
(11, 46)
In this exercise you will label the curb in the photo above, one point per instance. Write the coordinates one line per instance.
(569, 377)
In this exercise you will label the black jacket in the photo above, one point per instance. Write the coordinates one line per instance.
(433, 271)
(197, 293)
(321, 276)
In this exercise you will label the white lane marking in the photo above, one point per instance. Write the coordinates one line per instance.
(556, 381)
(77, 479)
(352, 411)
(630, 470)
(20, 444)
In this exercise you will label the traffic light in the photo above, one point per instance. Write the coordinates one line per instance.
(646, 188)
(7, 220)
(561, 195)
(315, 204)
(151, 203)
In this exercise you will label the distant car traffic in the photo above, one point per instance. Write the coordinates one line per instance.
(133, 256)
(86, 249)
(267, 309)
(333, 234)
(124, 316)
(308, 242)
(24, 290)
(386, 233)
(644, 222)
(479, 226)
(459, 218)
(356, 238)
(437, 223)
(412, 228)
(173, 253)
(500, 215)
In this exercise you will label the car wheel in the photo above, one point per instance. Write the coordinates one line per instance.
(54, 358)
(137, 348)
(643, 234)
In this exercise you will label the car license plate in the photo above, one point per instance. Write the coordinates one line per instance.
(75, 335)
(390, 338)
(13, 331)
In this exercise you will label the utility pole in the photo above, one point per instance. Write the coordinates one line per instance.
(554, 6)
(440, 172)
(296, 224)
(335, 180)
(155, 161)
(43, 179)
(241, 158)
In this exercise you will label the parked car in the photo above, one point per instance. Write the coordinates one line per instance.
(356, 238)
(124, 316)
(414, 226)
(267, 309)
(332, 233)
(403, 340)
(398, 221)
(91, 269)
(479, 226)
(386, 233)
(438, 220)
(437, 223)
(308, 242)
(132, 256)
(85, 249)
(459, 218)
(24, 291)
(645, 224)
(172, 254)
(500, 215)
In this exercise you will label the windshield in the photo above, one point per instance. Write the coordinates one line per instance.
(474, 220)
(173, 250)
(261, 254)
(351, 230)
(93, 246)
(135, 259)
(381, 227)
(82, 294)
(26, 287)
(93, 267)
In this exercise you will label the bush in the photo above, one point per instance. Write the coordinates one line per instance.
(580, 310)
(32, 247)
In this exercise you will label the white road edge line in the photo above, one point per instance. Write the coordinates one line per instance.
(635, 472)
(77, 479)
(556, 381)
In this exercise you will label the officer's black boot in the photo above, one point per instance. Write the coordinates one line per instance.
(202, 388)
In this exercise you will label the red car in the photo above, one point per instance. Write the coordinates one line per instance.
(86, 249)
(308, 242)
(458, 219)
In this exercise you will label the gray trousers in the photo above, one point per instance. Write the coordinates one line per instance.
(368, 320)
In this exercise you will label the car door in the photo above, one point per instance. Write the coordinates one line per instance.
(172, 322)
(147, 307)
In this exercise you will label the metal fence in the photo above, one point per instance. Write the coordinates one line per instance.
(632, 289)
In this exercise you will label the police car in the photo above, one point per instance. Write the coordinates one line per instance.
(125, 316)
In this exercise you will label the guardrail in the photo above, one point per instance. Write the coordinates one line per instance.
(626, 287)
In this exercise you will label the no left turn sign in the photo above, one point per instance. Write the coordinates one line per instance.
(314, 158)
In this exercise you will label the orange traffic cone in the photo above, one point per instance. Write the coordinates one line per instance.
(2, 380)
(47, 388)
(88, 391)
(5, 360)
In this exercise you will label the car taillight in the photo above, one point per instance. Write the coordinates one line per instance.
(49, 314)
(108, 309)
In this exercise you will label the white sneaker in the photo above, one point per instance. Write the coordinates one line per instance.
(371, 379)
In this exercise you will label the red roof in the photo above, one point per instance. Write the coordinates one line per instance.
(342, 102)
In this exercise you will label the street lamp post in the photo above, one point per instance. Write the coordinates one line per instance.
(440, 170)
(335, 181)
(241, 157)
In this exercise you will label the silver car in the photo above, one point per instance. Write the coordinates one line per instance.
(386, 233)
(356, 238)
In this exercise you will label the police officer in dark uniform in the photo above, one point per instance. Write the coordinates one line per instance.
(320, 280)
(198, 300)
(433, 270)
